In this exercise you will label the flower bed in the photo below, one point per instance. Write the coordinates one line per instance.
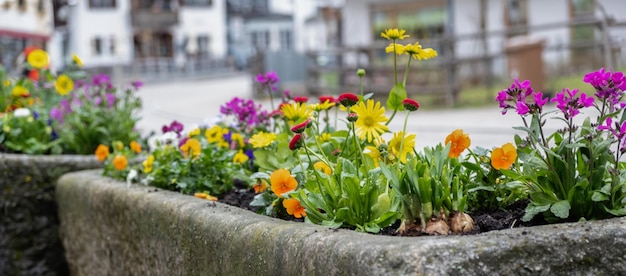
(29, 238)
(114, 229)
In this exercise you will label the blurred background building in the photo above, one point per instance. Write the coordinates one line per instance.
(317, 45)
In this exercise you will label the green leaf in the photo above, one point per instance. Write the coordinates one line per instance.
(396, 96)
(532, 210)
(599, 197)
(260, 175)
(561, 209)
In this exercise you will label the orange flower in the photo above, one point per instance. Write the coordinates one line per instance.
(504, 157)
(191, 146)
(260, 186)
(205, 196)
(294, 208)
(102, 152)
(460, 141)
(136, 147)
(120, 162)
(282, 182)
(33, 75)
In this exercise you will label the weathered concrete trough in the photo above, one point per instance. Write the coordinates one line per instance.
(29, 239)
(109, 228)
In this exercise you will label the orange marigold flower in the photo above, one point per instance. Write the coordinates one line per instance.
(294, 208)
(102, 152)
(460, 141)
(205, 196)
(260, 186)
(282, 182)
(504, 157)
(136, 147)
(120, 162)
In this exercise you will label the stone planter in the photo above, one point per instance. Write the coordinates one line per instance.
(109, 228)
(29, 240)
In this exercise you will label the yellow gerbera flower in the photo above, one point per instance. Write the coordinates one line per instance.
(147, 164)
(38, 58)
(77, 60)
(374, 152)
(64, 84)
(191, 147)
(322, 106)
(215, 134)
(325, 137)
(425, 54)
(262, 139)
(395, 47)
(240, 157)
(371, 116)
(19, 91)
(394, 34)
(407, 148)
(296, 112)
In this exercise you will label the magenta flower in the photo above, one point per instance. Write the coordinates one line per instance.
(570, 104)
(111, 98)
(56, 114)
(521, 97)
(270, 79)
(614, 127)
(175, 126)
(609, 85)
(137, 84)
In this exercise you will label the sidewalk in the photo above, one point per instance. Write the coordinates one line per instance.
(197, 102)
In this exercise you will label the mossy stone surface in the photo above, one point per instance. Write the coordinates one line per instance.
(110, 228)
(29, 240)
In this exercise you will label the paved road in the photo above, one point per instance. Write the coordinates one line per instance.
(195, 102)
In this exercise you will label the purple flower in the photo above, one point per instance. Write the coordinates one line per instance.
(111, 98)
(101, 79)
(182, 141)
(97, 101)
(65, 106)
(137, 84)
(270, 79)
(614, 127)
(246, 111)
(56, 114)
(521, 97)
(570, 104)
(175, 126)
(609, 85)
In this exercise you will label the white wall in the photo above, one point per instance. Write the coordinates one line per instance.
(211, 21)
(29, 20)
(86, 24)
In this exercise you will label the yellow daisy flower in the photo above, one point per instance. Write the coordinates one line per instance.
(262, 139)
(396, 142)
(395, 47)
(394, 34)
(77, 60)
(322, 106)
(371, 118)
(63, 84)
(374, 152)
(325, 137)
(296, 112)
(38, 58)
(417, 52)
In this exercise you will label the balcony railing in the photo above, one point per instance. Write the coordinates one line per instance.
(154, 20)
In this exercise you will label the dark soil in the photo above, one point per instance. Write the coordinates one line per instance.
(510, 217)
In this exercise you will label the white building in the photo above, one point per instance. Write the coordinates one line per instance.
(23, 23)
(106, 33)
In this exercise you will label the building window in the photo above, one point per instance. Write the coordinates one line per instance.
(260, 39)
(196, 3)
(420, 19)
(112, 45)
(203, 45)
(96, 46)
(517, 17)
(102, 3)
(285, 40)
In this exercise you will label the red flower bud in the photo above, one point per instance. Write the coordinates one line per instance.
(348, 99)
(301, 100)
(299, 128)
(410, 104)
(296, 142)
(330, 99)
(353, 117)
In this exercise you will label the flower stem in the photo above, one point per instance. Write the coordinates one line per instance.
(403, 135)
(392, 115)
(395, 67)
(271, 97)
(406, 72)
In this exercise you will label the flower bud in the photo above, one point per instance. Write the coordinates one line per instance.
(410, 104)
(360, 72)
(301, 100)
(296, 142)
(348, 99)
(352, 117)
(299, 128)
